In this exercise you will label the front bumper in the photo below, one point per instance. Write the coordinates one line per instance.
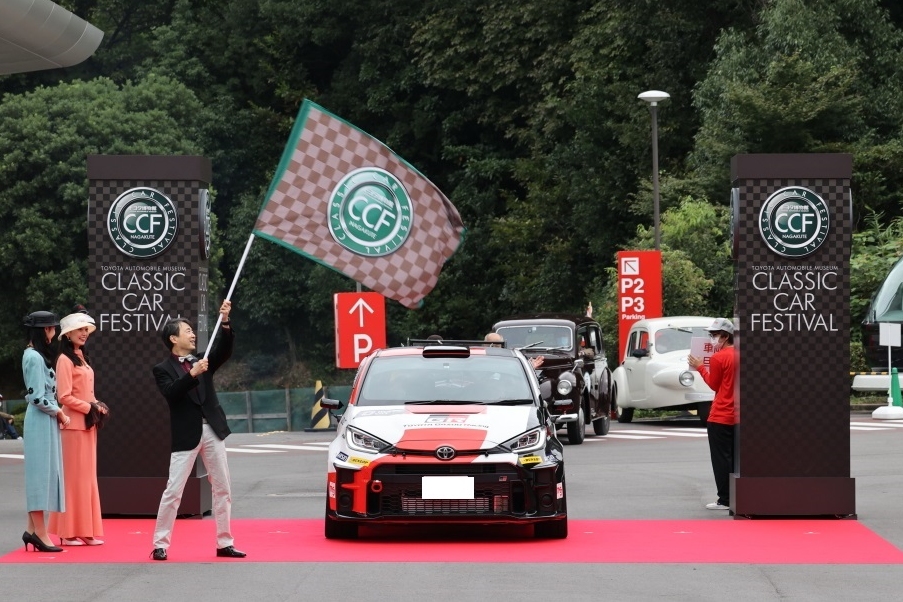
(502, 493)
(565, 418)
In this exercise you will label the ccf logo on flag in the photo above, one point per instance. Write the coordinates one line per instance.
(344, 199)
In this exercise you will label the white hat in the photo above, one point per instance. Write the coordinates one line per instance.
(76, 321)
(719, 325)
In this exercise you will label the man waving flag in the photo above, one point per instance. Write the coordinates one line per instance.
(344, 199)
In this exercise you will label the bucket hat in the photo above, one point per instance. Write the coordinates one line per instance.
(76, 321)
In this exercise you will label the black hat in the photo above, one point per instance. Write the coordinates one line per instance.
(40, 319)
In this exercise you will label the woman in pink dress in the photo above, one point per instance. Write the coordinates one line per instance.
(81, 523)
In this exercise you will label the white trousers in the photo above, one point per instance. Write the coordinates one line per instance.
(213, 453)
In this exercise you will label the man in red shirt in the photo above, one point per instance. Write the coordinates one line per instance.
(719, 375)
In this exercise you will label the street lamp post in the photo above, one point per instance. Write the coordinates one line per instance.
(653, 97)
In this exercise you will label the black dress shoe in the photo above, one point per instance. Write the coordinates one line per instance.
(229, 552)
(158, 554)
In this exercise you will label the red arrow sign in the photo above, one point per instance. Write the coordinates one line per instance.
(360, 327)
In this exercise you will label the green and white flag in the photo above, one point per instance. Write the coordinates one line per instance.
(344, 199)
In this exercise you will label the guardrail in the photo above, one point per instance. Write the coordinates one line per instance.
(870, 381)
(256, 411)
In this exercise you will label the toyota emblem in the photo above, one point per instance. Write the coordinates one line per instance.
(445, 452)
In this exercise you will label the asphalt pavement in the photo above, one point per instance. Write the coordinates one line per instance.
(644, 471)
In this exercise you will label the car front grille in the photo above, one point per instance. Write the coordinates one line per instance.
(436, 469)
(416, 505)
(497, 491)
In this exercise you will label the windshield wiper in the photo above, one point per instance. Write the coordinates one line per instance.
(532, 345)
(509, 402)
(426, 402)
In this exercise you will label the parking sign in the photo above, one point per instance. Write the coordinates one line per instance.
(639, 290)
(360, 327)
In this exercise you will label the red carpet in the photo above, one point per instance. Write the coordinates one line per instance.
(600, 541)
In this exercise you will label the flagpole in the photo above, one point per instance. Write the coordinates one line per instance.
(219, 317)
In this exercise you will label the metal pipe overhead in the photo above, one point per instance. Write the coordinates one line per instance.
(39, 34)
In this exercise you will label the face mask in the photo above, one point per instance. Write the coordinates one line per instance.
(717, 342)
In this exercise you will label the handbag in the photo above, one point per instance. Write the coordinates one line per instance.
(96, 418)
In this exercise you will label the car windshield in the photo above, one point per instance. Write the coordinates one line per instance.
(537, 337)
(677, 338)
(474, 379)
(888, 303)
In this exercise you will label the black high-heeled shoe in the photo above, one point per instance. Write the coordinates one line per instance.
(39, 546)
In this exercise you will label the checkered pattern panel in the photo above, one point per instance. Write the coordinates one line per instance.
(297, 211)
(794, 383)
(130, 299)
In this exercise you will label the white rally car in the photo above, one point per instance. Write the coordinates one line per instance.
(450, 432)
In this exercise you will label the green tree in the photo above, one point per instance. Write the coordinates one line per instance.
(46, 137)
(813, 77)
(697, 271)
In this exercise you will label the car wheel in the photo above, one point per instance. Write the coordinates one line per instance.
(625, 414)
(702, 410)
(336, 529)
(602, 425)
(553, 529)
(577, 430)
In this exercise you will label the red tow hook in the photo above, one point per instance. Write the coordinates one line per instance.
(376, 486)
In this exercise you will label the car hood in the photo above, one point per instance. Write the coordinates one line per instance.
(421, 427)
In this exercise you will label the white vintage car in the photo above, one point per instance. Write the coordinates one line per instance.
(654, 373)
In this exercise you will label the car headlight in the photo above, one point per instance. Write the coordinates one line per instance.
(365, 442)
(532, 440)
(686, 378)
(566, 383)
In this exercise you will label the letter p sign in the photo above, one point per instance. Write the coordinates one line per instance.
(363, 344)
(360, 327)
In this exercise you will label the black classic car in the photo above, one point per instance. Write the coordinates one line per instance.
(574, 376)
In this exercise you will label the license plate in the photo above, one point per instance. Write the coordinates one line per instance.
(447, 488)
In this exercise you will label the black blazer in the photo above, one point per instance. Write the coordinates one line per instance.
(191, 399)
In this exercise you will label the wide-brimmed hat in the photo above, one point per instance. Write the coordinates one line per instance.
(76, 321)
(719, 325)
(40, 319)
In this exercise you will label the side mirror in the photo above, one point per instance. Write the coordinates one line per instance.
(331, 404)
(578, 364)
(638, 353)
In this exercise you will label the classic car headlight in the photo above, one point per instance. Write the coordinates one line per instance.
(532, 440)
(686, 378)
(361, 441)
(566, 383)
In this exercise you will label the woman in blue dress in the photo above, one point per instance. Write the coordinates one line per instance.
(44, 488)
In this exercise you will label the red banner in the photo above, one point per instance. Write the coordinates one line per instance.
(639, 290)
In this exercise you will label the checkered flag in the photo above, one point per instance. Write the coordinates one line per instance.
(344, 199)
